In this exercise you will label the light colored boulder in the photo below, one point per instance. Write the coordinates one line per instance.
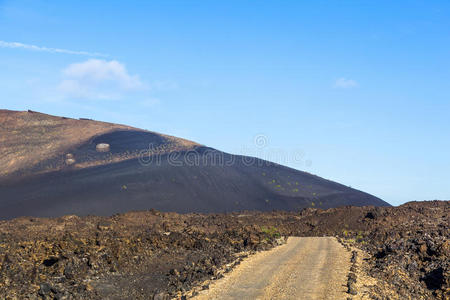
(70, 161)
(103, 147)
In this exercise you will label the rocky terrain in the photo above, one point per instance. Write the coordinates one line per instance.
(410, 250)
(130, 256)
(139, 255)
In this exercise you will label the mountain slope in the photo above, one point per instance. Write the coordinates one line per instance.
(32, 142)
(141, 170)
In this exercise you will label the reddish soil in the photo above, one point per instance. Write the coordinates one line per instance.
(33, 142)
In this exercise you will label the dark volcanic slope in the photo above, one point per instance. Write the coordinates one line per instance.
(146, 170)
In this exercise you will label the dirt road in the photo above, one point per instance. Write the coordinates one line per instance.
(303, 268)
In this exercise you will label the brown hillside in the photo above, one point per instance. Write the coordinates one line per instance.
(27, 139)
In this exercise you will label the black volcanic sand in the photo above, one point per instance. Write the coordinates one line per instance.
(54, 169)
(201, 180)
(140, 255)
(123, 143)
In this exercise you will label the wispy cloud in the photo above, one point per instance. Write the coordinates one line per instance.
(98, 79)
(4, 44)
(344, 83)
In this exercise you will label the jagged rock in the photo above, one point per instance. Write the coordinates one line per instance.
(351, 288)
(45, 289)
(112, 257)
(161, 296)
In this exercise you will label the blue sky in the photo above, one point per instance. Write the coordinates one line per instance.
(353, 91)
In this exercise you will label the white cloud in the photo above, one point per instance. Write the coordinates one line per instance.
(4, 44)
(97, 70)
(344, 83)
(98, 79)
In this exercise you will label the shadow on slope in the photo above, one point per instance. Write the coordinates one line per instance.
(202, 180)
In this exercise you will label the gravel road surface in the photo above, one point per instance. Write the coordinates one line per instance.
(303, 268)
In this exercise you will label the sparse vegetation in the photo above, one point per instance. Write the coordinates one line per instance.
(407, 249)
(271, 232)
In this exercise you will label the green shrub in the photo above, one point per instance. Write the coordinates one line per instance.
(271, 232)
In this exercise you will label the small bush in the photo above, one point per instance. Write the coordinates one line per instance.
(272, 232)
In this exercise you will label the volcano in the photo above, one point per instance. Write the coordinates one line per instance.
(53, 166)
